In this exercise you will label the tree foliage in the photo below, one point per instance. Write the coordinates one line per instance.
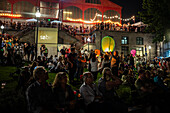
(156, 13)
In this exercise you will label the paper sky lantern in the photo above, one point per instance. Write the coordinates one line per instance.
(108, 44)
(133, 52)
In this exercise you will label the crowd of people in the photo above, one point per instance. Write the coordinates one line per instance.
(73, 29)
(149, 79)
(13, 52)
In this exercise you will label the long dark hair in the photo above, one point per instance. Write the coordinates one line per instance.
(93, 57)
(106, 57)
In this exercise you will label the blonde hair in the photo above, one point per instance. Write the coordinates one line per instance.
(59, 76)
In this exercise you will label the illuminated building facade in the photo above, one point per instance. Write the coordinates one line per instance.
(72, 11)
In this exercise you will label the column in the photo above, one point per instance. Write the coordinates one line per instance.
(12, 11)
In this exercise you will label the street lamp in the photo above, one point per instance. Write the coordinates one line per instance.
(150, 53)
(2, 27)
(38, 15)
(88, 40)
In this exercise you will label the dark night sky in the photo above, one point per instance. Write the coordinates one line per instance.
(130, 7)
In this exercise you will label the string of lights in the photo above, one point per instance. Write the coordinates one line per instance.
(112, 17)
(11, 15)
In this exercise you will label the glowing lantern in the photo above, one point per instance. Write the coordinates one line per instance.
(79, 95)
(97, 52)
(108, 44)
(75, 92)
(133, 52)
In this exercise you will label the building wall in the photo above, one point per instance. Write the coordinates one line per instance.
(117, 36)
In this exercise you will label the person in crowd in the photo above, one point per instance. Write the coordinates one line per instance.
(0, 41)
(32, 52)
(9, 54)
(44, 61)
(32, 66)
(143, 83)
(1, 55)
(105, 62)
(72, 60)
(60, 66)
(125, 77)
(28, 48)
(131, 61)
(151, 94)
(90, 94)
(115, 63)
(107, 84)
(41, 50)
(55, 59)
(23, 78)
(25, 50)
(62, 51)
(81, 64)
(94, 65)
(50, 59)
(64, 98)
(39, 93)
(159, 80)
(45, 49)
(39, 60)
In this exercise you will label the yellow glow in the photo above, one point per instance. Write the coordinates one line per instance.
(98, 21)
(108, 44)
(67, 12)
(12, 15)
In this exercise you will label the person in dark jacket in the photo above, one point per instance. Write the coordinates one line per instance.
(63, 93)
(131, 61)
(39, 93)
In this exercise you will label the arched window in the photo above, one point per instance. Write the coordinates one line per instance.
(72, 12)
(111, 15)
(26, 9)
(93, 1)
(5, 6)
(92, 14)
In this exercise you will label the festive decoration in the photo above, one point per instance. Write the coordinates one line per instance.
(108, 44)
(79, 95)
(10, 15)
(75, 92)
(133, 52)
(97, 52)
(98, 21)
(111, 17)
